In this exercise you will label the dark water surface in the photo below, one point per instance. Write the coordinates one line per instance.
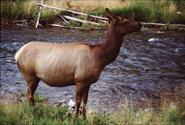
(151, 65)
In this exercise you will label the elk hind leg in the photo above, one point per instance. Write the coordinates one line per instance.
(32, 82)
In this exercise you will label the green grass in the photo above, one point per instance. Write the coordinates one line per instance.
(159, 11)
(24, 9)
(44, 114)
(163, 11)
(20, 10)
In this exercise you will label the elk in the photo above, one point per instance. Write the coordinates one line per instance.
(78, 64)
(72, 7)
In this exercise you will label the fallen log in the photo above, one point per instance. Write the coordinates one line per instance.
(61, 17)
(19, 21)
(179, 27)
(75, 12)
(82, 21)
(162, 24)
(61, 26)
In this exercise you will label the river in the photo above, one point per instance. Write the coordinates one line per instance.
(149, 68)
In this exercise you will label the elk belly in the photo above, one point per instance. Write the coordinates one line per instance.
(55, 70)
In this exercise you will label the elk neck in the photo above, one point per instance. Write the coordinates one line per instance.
(109, 50)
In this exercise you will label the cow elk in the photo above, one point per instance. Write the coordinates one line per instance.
(72, 7)
(78, 64)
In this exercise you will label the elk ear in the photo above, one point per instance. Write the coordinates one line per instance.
(109, 15)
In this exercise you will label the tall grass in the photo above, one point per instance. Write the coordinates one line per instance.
(164, 11)
(43, 114)
(22, 9)
(160, 11)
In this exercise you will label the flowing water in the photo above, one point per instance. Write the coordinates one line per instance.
(149, 68)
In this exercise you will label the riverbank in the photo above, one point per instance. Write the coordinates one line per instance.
(44, 114)
(162, 11)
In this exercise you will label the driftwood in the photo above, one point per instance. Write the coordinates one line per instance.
(101, 19)
(18, 24)
(38, 18)
(19, 21)
(75, 12)
(61, 26)
(82, 21)
(179, 27)
(161, 24)
(66, 17)
(61, 17)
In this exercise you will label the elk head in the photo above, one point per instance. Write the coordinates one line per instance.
(121, 25)
(68, 3)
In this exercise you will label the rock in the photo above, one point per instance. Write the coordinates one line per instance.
(160, 32)
(62, 103)
(153, 39)
(179, 12)
(71, 103)
(180, 51)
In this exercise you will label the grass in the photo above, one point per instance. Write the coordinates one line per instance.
(163, 11)
(160, 11)
(23, 9)
(44, 114)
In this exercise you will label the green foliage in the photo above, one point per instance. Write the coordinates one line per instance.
(47, 14)
(72, 24)
(43, 114)
(86, 26)
(98, 11)
(164, 11)
(173, 115)
(22, 9)
(39, 98)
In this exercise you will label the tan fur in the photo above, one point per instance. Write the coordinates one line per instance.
(57, 64)
(72, 7)
(72, 63)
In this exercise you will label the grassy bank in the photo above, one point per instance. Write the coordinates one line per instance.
(158, 11)
(163, 11)
(43, 114)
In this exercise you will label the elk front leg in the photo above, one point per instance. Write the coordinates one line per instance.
(79, 93)
(84, 99)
